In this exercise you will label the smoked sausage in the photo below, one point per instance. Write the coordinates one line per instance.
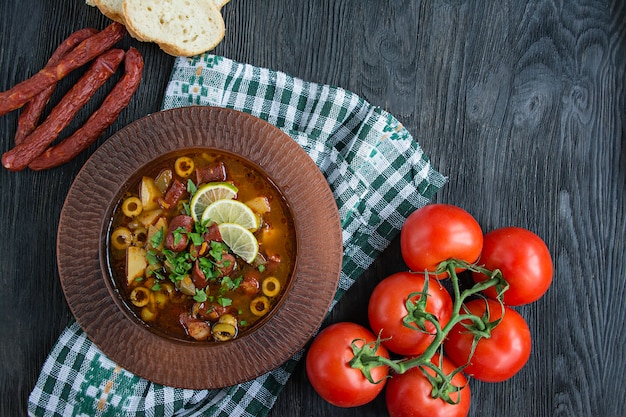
(100, 120)
(213, 172)
(175, 239)
(198, 276)
(86, 51)
(61, 115)
(29, 117)
(175, 193)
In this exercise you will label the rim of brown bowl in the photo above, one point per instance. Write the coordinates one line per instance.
(82, 267)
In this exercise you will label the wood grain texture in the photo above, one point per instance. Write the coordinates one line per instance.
(520, 103)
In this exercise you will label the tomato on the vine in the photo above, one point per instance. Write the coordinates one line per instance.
(438, 232)
(410, 394)
(387, 310)
(329, 371)
(524, 260)
(502, 353)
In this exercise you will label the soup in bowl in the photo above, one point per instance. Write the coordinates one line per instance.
(202, 245)
(199, 247)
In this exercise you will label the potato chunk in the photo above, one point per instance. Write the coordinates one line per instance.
(260, 205)
(159, 226)
(136, 263)
(148, 218)
(149, 194)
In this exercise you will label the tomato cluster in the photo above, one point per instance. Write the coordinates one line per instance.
(427, 338)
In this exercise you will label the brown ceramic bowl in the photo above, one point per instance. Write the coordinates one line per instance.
(91, 293)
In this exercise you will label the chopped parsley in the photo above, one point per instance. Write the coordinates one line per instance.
(229, 284)
(157, 238)
(179, 233)
(152, 257)
(196, 238)
(224, 302)
(217, 249)
(201, 296)
(191, 188)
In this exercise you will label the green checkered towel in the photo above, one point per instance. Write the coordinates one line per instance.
(378, 175)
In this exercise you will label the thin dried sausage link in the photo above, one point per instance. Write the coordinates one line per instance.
(30, 114)
(100, 120)
(90, 48)
(62, 114)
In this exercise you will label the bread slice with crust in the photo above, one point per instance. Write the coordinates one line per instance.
(221, 3)
(179, 27)
(111, 9)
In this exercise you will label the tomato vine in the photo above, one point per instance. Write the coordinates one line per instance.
(365, 354)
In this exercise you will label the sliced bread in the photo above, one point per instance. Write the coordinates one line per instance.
(114, 10)
(179, 27)
(221, 3)
(117, 5)
(111, 9)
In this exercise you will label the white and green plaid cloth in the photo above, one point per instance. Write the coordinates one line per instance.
(378, 175)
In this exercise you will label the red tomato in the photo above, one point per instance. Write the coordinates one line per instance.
(438, 232)
(498, 357)
(387, 309)
(409, 394)
(524, 260)
(328, 369)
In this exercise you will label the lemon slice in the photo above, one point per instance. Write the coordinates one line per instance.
(231, 211)
(240, 240)
(207, 194)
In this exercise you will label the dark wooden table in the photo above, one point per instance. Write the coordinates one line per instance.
(520, 103)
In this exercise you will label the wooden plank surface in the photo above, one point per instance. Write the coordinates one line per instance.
(520, 103)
